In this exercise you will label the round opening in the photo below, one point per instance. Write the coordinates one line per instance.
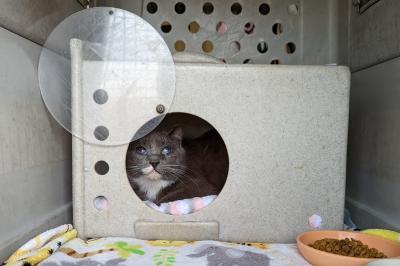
(101, 167)
(249, 27)
(166, 27)
(262, 47)
(110, 12)
(180, 46)
(100, 96)
(207, 46)
(180, 8)
(152, 7)
(248, 61)
(277, 29)
(194, 27)
(290, 48)
(101, 203)
(293, 10)
(264, 9)
(180, 167)
(236, 8)
(208, 8)
(221, 27)
(275, 62)
(101, 133)
(235, 46)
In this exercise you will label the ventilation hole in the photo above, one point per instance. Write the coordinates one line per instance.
(236, 8)
(290, 48)
(249, 28)
(180, 8)
(262, 47)
(194, 27)
(293, 10)
(152, 7)
(248, 61)
(222, 27)
(208, 8)
(110, 12)
(100, 96)
(277, 29)
(180, 46)
(264, 9)
(235, 46)
(275, 62)
(101, 167)
(101, 133)
(207, 46)
(101, 203)
(166, 27)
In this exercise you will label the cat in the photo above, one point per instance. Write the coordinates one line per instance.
(164, 167)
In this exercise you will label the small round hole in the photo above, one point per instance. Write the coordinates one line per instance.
(236, 8)
(293, 10)
(100, 96)
(101, 203)
(275, 62)
(194, 27)
(152, 7)
(264, 9)
(208, 8)
(180, 8)
(166, 27)
(290, 48)
(221, 27)
(235, 46)
(101, 133)
(277, 29)
(110, 12)
(101, 167)
(262, 47)
(248, 61)
(207, 46)
(249, 28)
(180, 46)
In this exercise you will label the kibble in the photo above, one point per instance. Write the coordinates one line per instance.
(347, 247)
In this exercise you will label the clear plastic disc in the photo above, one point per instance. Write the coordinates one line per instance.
(105, 72)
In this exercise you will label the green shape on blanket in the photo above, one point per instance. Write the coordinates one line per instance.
(164, 257)
(124, 250)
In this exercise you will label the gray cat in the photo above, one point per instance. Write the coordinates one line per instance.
(163, 167)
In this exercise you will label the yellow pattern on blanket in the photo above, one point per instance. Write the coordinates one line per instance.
(42, 246)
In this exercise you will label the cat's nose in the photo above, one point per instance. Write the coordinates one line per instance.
(154, 164)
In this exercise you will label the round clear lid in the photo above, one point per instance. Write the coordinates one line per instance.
(106, 76)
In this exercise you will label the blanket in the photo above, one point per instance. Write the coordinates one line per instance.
(60, 246)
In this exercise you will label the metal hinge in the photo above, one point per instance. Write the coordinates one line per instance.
(362, 5)
(84, 3)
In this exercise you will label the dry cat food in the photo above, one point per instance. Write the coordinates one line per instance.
(347, 247)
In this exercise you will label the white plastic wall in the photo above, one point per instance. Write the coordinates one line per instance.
(373, 181)
(35, 153)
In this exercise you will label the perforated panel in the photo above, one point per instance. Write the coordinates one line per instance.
(248, 31)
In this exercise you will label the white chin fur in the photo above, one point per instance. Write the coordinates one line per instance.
(147, 170)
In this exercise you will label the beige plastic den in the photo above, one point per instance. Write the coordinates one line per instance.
(285, 129)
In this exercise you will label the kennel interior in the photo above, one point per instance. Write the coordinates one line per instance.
(36, 151)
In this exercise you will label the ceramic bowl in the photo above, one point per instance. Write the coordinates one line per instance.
(321, 258)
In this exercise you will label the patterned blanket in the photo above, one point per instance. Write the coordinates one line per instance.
(60, 246)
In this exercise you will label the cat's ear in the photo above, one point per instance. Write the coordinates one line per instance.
(176, 133)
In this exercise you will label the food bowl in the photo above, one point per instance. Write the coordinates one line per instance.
(321, 258)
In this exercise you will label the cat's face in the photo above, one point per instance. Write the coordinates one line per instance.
(158, 156)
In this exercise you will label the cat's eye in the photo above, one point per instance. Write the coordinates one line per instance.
(166, 150)
(141, 150)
